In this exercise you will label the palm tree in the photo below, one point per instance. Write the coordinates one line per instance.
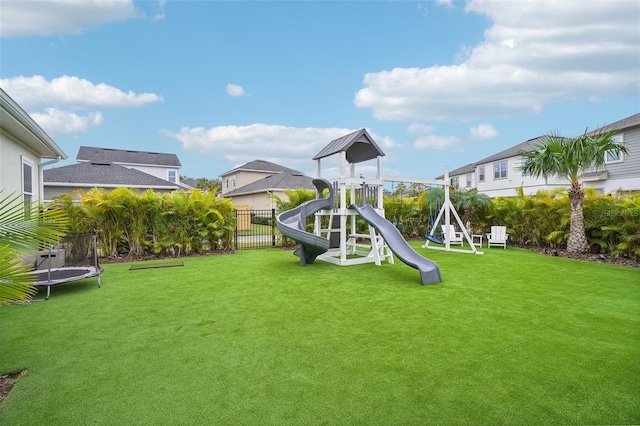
(569, 158)
(24, 228)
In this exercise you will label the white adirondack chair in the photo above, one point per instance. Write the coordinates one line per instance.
(450, 232)
(498, 236)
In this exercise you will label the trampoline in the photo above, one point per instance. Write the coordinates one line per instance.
(80, 262)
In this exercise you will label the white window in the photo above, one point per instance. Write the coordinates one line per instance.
(480, 173)
(613, 157)
(27, 185)
(230, 182)
(172, 176)
(455, 182)
(524, 163)
(500, 170)
(468, 180)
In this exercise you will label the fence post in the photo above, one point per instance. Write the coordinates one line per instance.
(273, 227)
(235, 233)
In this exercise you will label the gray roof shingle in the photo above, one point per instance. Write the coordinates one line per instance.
(625, 123)
(513, 151)
(359, 146)
(107, 175)
(110, 155)
(261, 166)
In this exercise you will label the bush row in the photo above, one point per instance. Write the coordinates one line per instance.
(135, 224)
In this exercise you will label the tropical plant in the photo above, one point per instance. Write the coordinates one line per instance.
(104, 209)
(24, 228)
(569, 158)
(470, 205)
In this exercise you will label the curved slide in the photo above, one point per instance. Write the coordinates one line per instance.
(429, 271)
(292, 223)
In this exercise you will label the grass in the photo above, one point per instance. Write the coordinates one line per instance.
(511, 337)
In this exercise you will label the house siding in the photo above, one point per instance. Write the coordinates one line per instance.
(242, 178)
(12, 154)
(258, 201)
(630, 166)
(161, 172)
(52, 190)
(506, 187)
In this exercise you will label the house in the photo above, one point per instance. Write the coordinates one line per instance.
(109, 168)
(85, 176)
(23, 146)
(621, 172)
(253, 184)
(463, 177)
(500, 175)
(163, 166)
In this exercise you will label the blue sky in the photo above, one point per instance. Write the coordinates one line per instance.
(222, 83)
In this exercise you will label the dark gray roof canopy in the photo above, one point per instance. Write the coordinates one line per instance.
(359, 146)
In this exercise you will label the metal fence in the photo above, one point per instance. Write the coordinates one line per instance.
(256, 229)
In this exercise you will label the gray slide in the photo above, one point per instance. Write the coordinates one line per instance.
(292, 223)
(429, 271)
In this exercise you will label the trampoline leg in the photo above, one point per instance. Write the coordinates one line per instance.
(46, 297)
(98, 277)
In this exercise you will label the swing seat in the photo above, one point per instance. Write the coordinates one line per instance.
(434, 239)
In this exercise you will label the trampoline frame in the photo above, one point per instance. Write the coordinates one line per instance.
(77, 272)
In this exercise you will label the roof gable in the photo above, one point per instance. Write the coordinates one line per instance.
(359, 146)
(121, 156)
(261, 166)
(278, 181)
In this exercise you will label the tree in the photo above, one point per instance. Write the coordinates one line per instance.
(569, 158)
(24, 228)
(468, 203)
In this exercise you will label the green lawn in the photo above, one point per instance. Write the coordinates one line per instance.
(511, 337)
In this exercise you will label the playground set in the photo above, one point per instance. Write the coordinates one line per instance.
(335, 238)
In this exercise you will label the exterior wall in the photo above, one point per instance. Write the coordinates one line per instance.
(241, 178)
(51, 191)
(626, 174)
(258, 201)
(12, 154)
(161, 172)
(462, 180)
(506, 187)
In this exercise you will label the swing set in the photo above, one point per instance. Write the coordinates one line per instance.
(441, 211)
(447, 210)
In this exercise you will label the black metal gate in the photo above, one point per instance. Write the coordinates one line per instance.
(256, 229)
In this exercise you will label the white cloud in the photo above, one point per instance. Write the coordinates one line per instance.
(419, 128)
(293, 146)
(534, 53)
(56, 122)
(27, 18)
(235, 90)
(73, 92)
(483, 131)
(439, 143)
